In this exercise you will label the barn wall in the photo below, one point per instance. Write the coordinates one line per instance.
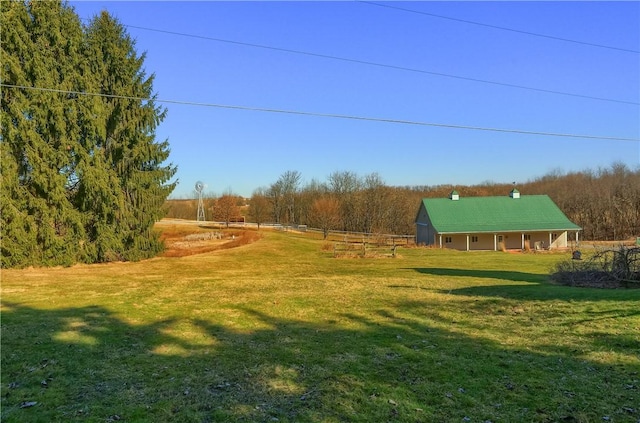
(425, 232)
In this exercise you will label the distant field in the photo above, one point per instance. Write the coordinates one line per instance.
(278, 330)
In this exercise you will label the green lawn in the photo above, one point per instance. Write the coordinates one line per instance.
(280, 331)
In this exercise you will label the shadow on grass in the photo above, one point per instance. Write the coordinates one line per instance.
(507, 275)
(87, 364)
(537, 287)
(546, 292)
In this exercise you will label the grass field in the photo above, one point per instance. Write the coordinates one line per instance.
(281, 331)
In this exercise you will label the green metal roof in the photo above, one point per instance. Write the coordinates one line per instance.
(496, 214)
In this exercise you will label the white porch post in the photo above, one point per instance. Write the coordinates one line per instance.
(495, 242)
(577, 237)
(549, 240)
(440, 235)
(467, 242)
(522, 242)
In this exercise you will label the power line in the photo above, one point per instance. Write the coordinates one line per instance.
(326, 115)
(382, 65)
(502, 28)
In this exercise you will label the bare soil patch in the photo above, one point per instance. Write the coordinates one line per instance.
(186, 238)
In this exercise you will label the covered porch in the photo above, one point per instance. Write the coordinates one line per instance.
(534, 240)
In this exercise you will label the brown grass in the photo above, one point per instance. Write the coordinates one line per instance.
(326, 246)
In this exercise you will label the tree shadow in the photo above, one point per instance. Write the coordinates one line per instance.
(530, 290)
(90, 364)
(507, 275)
(548, 292)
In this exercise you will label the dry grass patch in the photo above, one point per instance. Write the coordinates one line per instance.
(185, 238)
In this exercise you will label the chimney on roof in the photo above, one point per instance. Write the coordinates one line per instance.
(514, 193)
(454, 195)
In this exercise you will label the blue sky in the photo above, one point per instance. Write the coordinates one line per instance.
(240, 150)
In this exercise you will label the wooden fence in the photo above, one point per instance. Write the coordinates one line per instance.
(369, 245)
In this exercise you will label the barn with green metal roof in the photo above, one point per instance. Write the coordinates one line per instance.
(492, 223)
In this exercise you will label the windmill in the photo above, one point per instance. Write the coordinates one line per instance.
(199, 188)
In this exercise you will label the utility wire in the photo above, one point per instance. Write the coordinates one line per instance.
(382, 65)
(502, 28)
(326, 115)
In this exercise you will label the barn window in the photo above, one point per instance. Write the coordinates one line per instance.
(447, 239)
(474, 238)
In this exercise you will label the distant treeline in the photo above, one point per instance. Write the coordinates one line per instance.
(604, 202)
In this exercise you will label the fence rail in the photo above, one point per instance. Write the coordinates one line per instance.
(346, 241)
(363, 249)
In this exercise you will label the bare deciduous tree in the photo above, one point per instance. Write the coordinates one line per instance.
(345, 187)
(290, 183)
(226, 208)
(326, 214)
(259, 207)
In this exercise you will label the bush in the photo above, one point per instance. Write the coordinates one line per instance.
(606, 268)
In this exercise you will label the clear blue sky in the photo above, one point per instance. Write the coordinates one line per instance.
(240, 150)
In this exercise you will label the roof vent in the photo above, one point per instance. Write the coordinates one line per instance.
(454, 195)
(514, 193)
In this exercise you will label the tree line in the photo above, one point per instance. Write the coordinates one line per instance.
(604, 202)
(83, 179)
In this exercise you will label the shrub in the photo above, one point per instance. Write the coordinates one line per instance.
(606, 268)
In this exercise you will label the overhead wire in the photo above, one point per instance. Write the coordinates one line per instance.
(502, 28)
(325, 115)
(382, 65)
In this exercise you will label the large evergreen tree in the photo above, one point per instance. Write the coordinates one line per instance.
(39, 132)
(130, 183)
(82, 176)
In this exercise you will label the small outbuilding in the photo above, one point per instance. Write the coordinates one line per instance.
(492, 223)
